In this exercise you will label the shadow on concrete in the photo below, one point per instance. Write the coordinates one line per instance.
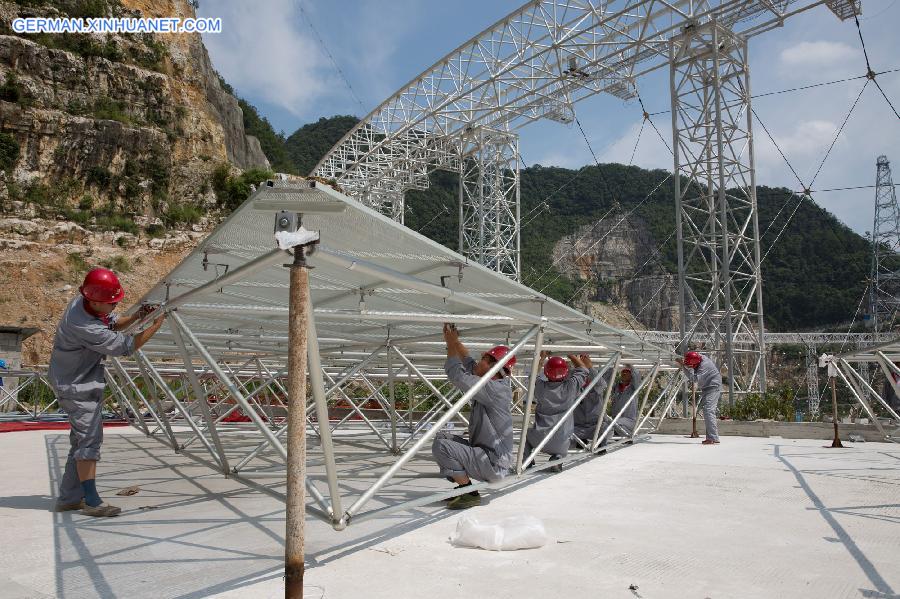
(199, 533)
(41, 503)
(882, 588)
(191, 532)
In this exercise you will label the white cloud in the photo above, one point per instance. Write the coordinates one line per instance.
(263, 47)
(818, 54)
(649, 152)
(373, 49)
(804, 143)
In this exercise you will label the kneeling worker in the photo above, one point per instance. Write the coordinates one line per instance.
(628, 383)
(487, 455)
(87, 333)
(554, 393)
(588, 411)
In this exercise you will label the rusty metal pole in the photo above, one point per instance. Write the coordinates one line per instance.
(296, 436)
(694, 433)
(836, 442)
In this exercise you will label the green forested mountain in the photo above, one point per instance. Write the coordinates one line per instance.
(309, 143)
(813, 276)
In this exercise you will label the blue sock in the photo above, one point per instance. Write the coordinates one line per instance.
(91, 497)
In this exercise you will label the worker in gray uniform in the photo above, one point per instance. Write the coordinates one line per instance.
(703, 372)
(555, 390)
(487, 455)
(87, 333)
(628, 383)
(587, 413)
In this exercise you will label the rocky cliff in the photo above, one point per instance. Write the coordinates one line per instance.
(108, 148)
(614, 265)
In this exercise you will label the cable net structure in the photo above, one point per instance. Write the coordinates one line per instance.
(461, 114)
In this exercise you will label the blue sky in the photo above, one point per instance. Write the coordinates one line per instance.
(272, 57)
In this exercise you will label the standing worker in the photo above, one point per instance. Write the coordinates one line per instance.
(488, 453)
(554, 393)
(702, 371)
(87, 333)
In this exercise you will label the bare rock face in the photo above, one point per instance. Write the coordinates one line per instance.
(104, 138)
(621, 281)
(141, 129)
(190, 58)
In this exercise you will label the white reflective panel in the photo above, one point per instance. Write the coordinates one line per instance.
(372, 280)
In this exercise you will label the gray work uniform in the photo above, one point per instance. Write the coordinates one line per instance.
(488, 453)
(619, 397)
(552, 399)
(709, 384)
(76, 374)
(588, 411)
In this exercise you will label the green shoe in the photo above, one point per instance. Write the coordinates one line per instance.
(449, 499)
(466, 501)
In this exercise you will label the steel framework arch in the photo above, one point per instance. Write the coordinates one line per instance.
(536, 63)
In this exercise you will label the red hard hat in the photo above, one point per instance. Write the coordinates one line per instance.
(498, 353)
(102, 285)
(556, 369)
(692, 359)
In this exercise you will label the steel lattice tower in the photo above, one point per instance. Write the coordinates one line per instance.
(884, 294)
(720, 285)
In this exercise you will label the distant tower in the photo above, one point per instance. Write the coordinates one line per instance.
(884, 291)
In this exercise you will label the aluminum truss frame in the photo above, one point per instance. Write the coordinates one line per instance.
(10, 399)
(162, 410)
(211, 385)
(885, 356)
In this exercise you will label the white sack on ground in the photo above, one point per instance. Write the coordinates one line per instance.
(507, 534)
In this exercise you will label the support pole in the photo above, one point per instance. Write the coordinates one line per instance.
(612, 382)
(694, 433)
(317, 382)
(295, 500)
(836, 442)
(529, 396)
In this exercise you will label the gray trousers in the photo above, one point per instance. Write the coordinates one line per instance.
(456, 457)
(708, 403)
(85, 438)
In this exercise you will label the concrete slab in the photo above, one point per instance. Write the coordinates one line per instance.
(749, 518)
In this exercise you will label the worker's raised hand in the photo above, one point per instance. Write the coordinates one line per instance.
(575, 360)
(585, 361)
(451, 334)
(680, 361)
(545, 354)
(145, 309)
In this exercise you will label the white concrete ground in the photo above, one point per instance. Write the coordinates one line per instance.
(752, 517)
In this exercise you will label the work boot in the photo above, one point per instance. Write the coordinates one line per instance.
(465, 501)
(709, 442)
(104, 510)
(68, 507)
(449, 499)
(559, 467)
